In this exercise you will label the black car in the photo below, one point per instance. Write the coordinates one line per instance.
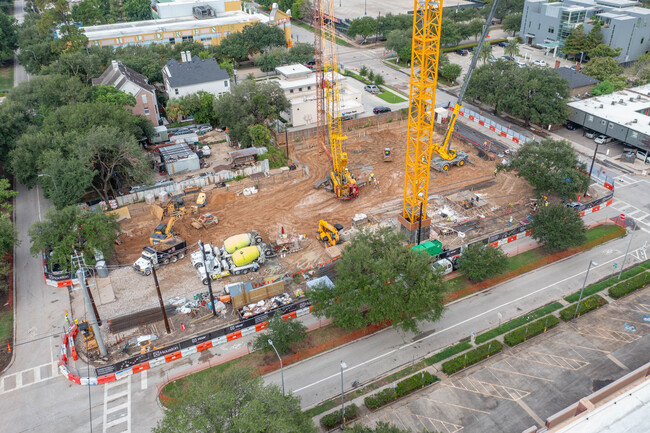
(571, 126)
(380, 109)
(502, 43)
(462, 52)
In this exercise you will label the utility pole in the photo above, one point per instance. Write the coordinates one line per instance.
(162, 304)
(207, 275)
(593, 160)
(81, 276)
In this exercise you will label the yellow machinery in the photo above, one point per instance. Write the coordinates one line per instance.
(329, 233)
(201, 199)
(162, 232)
(174, 206)
(343, 183)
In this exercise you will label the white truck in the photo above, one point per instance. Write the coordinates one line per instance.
(163, 253)
(444, 266)
(242, 261)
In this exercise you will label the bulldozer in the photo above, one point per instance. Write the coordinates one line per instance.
(388, 156)
(162, 232)
(328, 233)
(204, 221)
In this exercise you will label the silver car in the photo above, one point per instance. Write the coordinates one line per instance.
(372, 89)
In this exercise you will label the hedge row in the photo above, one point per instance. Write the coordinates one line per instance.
(522, 334)
(472, 45)
(595, 288)
(335, 419)
(402, 388)
(622, 289)
(472, 357)
(586, 305)
(516, 323)
(448, 352)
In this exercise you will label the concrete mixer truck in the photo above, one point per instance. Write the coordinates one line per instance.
(230, 245)
(242, 261)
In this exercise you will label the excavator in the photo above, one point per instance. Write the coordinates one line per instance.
(162, 232)
(449, 156)
(174, 206)
(329, 233)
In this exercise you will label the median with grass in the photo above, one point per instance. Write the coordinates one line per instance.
(472, 357)
(516, 323)
(401, 389)
(586, 305)
(525, 332)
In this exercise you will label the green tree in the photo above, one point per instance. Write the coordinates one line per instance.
(6, 195)
(558, 227)
(594, 37)
(137, 10)
(450, 33)
(205, 112)
(479, 262)
(282, 333)
(260, 135)
(260, 37)
(603, 88)
(4, 275)
(475, 28)
(306, 11)
(641, 68)
(364, 27)
(270, 60)
(550, 166)
(603, 50)
(300, 52)
(381, 279)
(379, 79)
(575, 43)
(65, 230)
(602, 68)
(8, 235)
(249, 103)
(234, 401)
(504, 8)
(486, 52)
(8, 37)
(233, 47)
(512, 23)
(400, 42)
(110, 95)
(363, 71)
(512, 48)
(450, 72)
(229, 66)
(91, 12)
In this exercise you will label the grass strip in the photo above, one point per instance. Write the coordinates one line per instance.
(525, 332)
(472, 357)
(390, 97)
(516, 323)
(448, 352)
(405, 387)
(335, 419)
(586, 305)
(6, 324)
(634, 283)
(602, 285)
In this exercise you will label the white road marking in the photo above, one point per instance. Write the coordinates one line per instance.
(143, 380)
(120, 413)
(6, 384)
(337, 375)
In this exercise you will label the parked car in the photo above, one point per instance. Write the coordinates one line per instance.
(462, 52)
(502, 43)
(602, 139)
(573, 68)
(507, 58)
(492, 59)
(520, 63)
(311, 63)
(570, 126)
(181, 131)
(372, 89)
(205, 129)
(589, 133)
(380, 109)
(539, 63)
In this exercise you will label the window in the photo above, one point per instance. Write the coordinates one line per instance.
(146, 111)
(172, 41)
(308, 87)
(551, 29)
(226, 33)
(635, 134)
(188, 38)
(590, 118)
(300, 89)
(144, 98)
(176, 91)
(290, 90)
(225, 83)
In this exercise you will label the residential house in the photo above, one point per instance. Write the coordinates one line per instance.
(579, 84)
(193, 74)
(128, 81)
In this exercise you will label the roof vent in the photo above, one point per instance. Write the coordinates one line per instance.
(638, 96)
(631, 98)
(635, 120)
(620, 101)
(601, 106)
(613, 102)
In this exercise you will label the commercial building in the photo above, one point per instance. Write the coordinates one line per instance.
(625, 24)
(192, 75)
(128, 81)
(299, 85)
(207, 23)
(624, 116)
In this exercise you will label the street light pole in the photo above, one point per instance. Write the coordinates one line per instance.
(281, 370)
(33, 54)
(343, 366)
(53, 181)
(629, 244)
(591, 262)
(593, 160)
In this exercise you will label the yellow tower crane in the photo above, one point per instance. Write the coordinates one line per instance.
(342, 182)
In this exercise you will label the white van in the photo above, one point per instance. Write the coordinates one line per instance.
(443, 266)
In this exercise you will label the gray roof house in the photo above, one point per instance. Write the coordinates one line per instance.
(193, 74)
(579, 83)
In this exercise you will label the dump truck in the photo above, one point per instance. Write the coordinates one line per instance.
(242, 261)
(162, 253)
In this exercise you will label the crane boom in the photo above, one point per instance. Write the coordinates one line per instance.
(444, 149)
(427, 18)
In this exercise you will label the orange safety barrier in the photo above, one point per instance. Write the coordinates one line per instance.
(203, 346)
(64, 359)
(261, 326)
(74, 378)
(64, 337)
(285, 317)
(610, 201)
(140, 367)
(74, 352)
(173, 356)
(494, 244)
(595, 208)
(106, 379)
(512, 238)
(233, 336)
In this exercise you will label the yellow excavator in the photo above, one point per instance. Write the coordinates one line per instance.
(329, 233)
(174, 206)
(162, 232)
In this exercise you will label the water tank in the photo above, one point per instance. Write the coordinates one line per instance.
(236, 242)
(245, 256)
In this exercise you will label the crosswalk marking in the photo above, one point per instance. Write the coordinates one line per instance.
(30, 376)
(117, 406)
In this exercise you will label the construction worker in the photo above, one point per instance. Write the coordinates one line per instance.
(495, 172)
(371, 178)
(510, 221)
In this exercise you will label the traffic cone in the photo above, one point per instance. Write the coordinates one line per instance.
(182, 326)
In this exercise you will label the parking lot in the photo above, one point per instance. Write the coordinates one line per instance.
(524, 385)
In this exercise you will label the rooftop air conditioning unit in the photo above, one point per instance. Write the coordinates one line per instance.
(613, 102)
(620, 101)
(638, 96)
(631, 98)
(601, 106)
(635, 120)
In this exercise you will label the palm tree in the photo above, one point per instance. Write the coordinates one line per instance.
(486, 52)
(512, 48)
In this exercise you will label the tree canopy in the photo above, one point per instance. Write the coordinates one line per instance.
(480, 262)
(232, 402)
(282, 333)
(550, 166)
(8, 36)
(364, 27)
(512, 23)
(558, 227)
(381, 279)
(110, 95)
(65, 230)
(605, 69)
(137, 10)
(249, 103)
